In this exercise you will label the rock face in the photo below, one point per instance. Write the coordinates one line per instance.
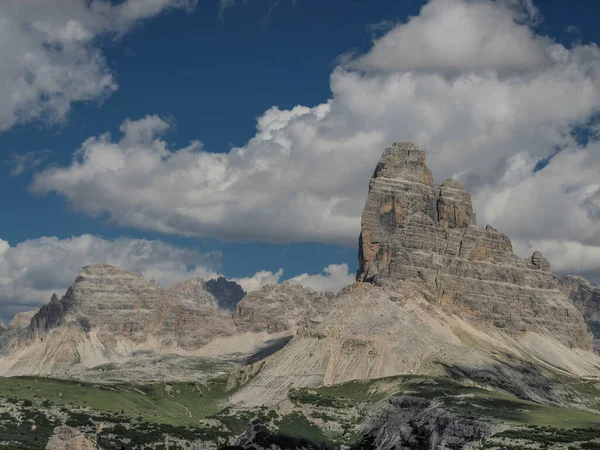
(67, 438)
(412, 230)
(586, 298)
(113, 300)
(407, 422)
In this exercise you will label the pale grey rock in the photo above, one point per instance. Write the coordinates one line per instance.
(67, 438)
(49, 316)
(411, 230)
(407, 422)
(539, 262)
(193, 294)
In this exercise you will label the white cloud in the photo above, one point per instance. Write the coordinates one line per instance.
(456, 36)
(259, 279)
(334, 277)
(49, 54)
(486, 114)
(31, 271)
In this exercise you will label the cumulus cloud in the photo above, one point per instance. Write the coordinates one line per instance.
(486, 114)
(49, 53)
(31, 271)
(470, 36)
(333, 278)
(260, 279)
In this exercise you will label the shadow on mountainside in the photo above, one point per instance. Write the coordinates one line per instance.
(270, 347)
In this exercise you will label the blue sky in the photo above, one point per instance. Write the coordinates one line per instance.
(205, 77)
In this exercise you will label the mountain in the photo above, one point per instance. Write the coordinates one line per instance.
(446, 340)
(111, 315)
(411, 230)
(436, 295)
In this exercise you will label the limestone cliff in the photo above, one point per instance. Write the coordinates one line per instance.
(412, 230)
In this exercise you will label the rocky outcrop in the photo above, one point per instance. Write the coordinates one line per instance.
(67, 438)
(50, 315)
(408, 422)
(227, 293)
(412, 230)
(586, 298)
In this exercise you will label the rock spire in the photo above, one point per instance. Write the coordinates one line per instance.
(412, 230)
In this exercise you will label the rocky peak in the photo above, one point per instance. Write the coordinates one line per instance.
(538, 262)
(404, 161)
(49, 316)
(413, 231)
(227, 293)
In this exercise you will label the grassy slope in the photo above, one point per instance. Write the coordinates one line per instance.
(169, 403)
(186, 404)
(487, 404)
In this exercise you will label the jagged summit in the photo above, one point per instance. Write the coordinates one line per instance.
(411, 230)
